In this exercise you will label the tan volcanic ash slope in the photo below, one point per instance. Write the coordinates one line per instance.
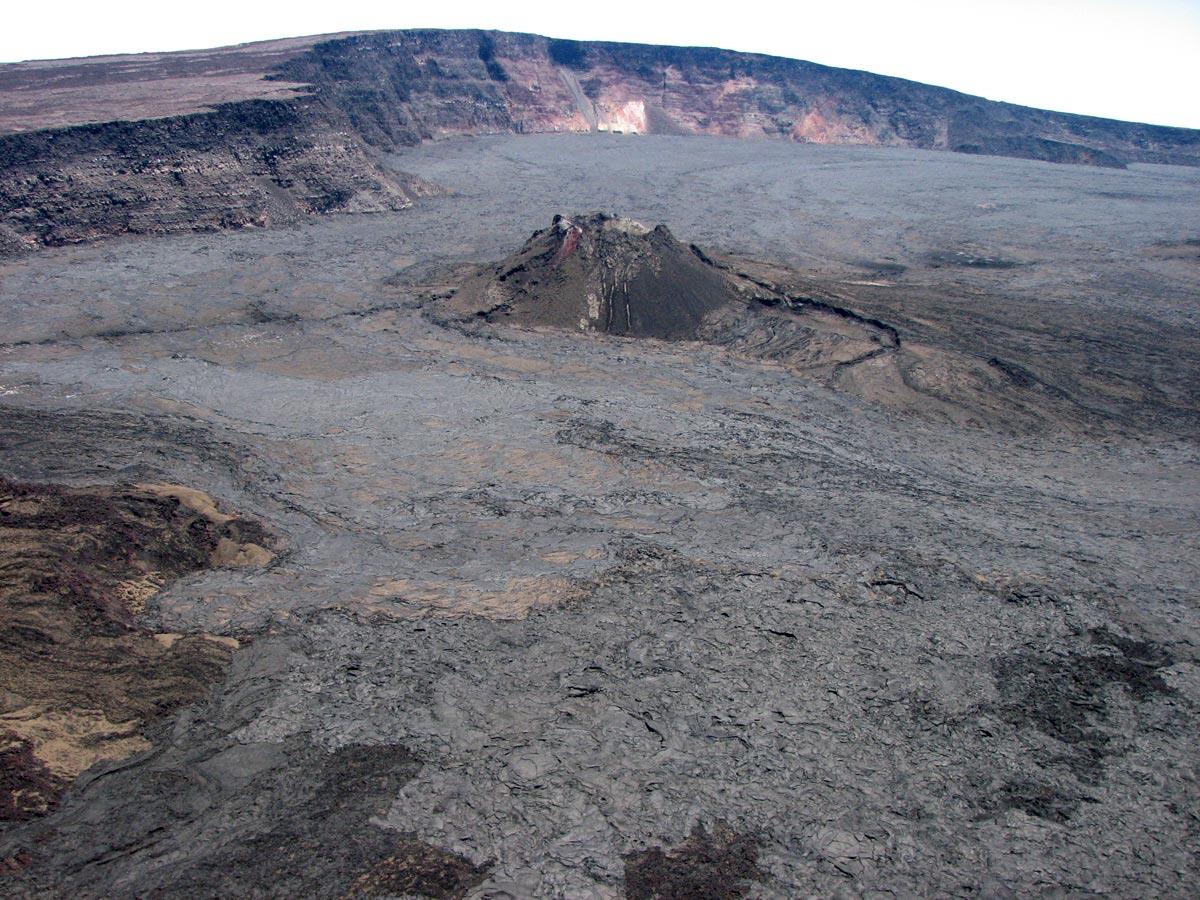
(81, 680)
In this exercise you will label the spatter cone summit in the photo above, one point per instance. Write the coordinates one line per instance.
(613, 275)
(605, 273)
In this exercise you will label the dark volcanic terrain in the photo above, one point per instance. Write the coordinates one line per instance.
(604, 273)
(666, 516)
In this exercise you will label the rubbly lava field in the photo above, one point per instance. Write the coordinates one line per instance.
(703, 476)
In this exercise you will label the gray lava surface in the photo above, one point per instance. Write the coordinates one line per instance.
(574, 615)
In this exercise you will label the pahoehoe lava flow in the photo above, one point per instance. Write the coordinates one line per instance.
(722, 511)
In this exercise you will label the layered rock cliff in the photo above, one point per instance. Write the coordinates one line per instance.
(401, 87)
(254, 163)
(270, 133)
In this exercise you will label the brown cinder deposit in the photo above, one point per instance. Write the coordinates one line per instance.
(81, 680)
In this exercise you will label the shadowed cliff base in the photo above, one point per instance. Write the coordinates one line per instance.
(253, 164)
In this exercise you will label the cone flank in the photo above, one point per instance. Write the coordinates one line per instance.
(603, 272)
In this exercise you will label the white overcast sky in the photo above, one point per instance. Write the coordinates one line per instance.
(1123, 59)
